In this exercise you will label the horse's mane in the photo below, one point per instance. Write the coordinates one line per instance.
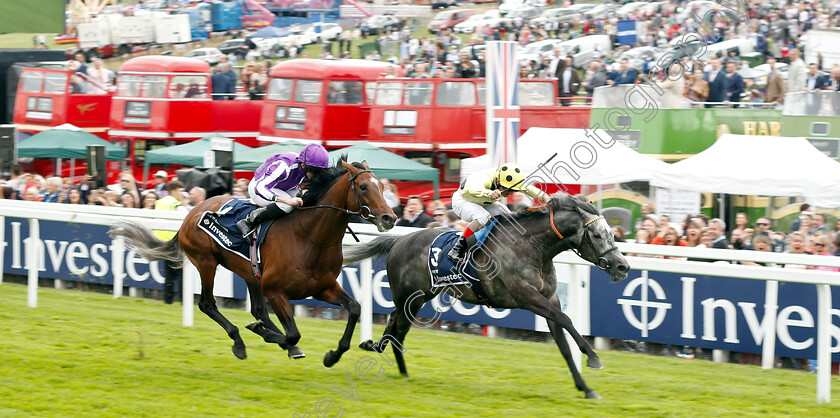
(317, 187)
(557, 202)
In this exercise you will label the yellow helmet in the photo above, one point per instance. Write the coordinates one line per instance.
(510, 176)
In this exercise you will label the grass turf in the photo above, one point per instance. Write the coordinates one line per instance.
(86, 353)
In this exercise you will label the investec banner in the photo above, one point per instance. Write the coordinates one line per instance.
(709, 312)
(82, 252)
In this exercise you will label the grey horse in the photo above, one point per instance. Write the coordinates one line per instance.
(515, 270)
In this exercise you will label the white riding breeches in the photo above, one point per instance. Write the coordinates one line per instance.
(259, 200)
(470, 211)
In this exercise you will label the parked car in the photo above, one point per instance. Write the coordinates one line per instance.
(630, 8)
(235, 46)
(535, 50)
(329, 31)
(380, 24)
(561, 15)
(208, 55)
(469, 25)
(601, 9)
(582, 7)
(449, 18)
(526, 13)
(511, 5)
(636, 56)
(583, 49)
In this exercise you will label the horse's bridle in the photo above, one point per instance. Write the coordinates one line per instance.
(351, 186)
(603, 263)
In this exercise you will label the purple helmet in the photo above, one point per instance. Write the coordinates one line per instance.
(314, 155)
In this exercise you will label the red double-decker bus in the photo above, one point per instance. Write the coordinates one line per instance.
(162, 101)
(320, 100)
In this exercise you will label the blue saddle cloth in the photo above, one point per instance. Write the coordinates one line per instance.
(221, 226)
(446, 272)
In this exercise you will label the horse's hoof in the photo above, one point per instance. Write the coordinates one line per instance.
(367, 345)
(253, 325)
(296, 353)
(239, 352)
(331, 358)
(592, 395)
(594, 363)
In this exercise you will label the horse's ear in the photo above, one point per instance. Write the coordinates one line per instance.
(365, 164)
(349, 166)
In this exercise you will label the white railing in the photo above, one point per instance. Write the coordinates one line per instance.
(578, 309)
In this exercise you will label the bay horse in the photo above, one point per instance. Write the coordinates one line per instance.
(514, 266)
(301, 255)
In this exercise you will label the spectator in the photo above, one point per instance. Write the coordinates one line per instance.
(805, 226)
(816, 81)
(797, 73)
(595, 78)
(197, 195)
(80, 62)
(390, 193)
(439, 215)
(160, 183)
(797, 246)
(775, 84)
(818, 224)
(74, 196)
(618, 233)
(734, 85)
(649, 225)
(760, 243)
(170, 202)
(803, 209)
(836, 245)
(53, 189)
(101, 78)
(414, 214)
(127, 200)
(465, 68)
(717, 82)
(642, 236)
(569, 82)
(149, 199)
(706, 237)
(716, 228)
(223, 86)
(692, 232)
(822, 246)
(697, 89)
(673, 82)
(624, 75)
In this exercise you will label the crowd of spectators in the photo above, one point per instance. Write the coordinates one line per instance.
(776, 29)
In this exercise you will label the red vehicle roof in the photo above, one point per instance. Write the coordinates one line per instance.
(165, 64)
(332, 68)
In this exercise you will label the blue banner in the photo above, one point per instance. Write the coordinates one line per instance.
(708, 312)
(626, 34)
(82, 252)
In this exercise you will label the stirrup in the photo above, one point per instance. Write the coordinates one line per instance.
(455, 253)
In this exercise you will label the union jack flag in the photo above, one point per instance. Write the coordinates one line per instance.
(502, 101)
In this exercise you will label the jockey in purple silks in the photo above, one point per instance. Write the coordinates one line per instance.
(275, 184)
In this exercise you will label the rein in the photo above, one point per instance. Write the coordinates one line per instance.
(602, 262)
(346, 211)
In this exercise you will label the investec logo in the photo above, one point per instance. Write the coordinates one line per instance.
(647, 294)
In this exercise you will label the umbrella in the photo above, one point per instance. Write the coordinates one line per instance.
(252, 158)
(269, 32)
(65, 141)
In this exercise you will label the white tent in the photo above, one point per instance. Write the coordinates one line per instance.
(758, 165)
(616, 164)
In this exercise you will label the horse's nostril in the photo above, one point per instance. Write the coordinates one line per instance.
(622, 267)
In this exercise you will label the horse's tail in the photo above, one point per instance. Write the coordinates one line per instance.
(150, 247)
(380, 245)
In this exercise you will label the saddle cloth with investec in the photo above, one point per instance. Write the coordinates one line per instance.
(221, 226)
(446, 272)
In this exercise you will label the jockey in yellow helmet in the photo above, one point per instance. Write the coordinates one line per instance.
(477, 201)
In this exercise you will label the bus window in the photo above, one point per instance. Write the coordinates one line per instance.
(188, 86)
(482, 93)
(536, 94)
(388, 94)
(128, 86)
(418, 94)
(31, 82)
(456, 93)
(344, 92)
(308, 91)
(370, 91)
(55, 83)
(153, 86)
(280, 89)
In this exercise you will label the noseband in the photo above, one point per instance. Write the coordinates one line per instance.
(603, 263)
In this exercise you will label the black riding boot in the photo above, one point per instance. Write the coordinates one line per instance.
(460, 249)
(255, 218)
